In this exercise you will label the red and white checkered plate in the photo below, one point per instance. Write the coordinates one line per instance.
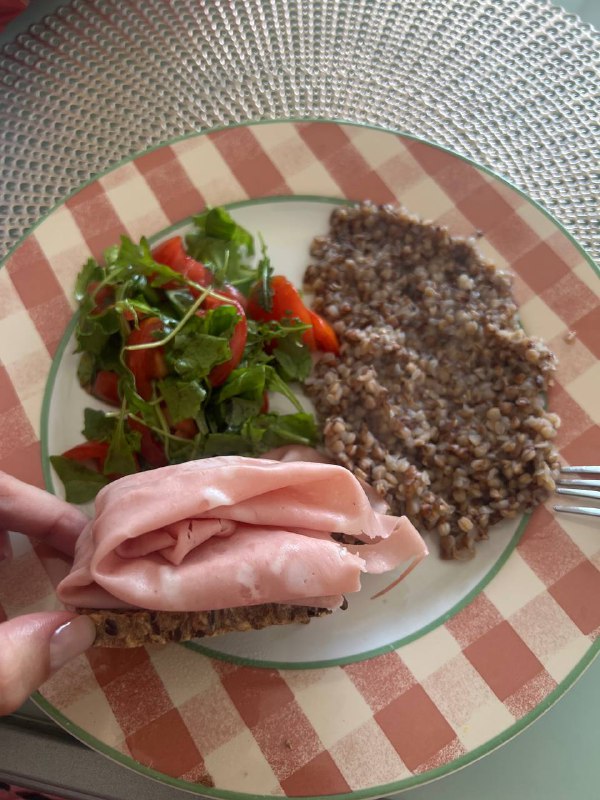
(459, 676)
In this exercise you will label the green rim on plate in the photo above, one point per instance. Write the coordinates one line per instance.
(300, 158)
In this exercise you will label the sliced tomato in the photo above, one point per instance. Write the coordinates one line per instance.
(151, 450)
(172, 253)
(228, 290)
(186, 428)
(325, 337)
(146, 365)
(91, 454)
(103, 297)
(106, 387)
(287, 305)
(237, 343)
(131, 316)
(197, 272)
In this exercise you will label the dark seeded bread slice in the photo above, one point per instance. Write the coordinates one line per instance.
(116, 628)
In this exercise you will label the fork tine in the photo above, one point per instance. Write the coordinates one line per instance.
(564, 486)
(579, 493)
(579, 482)
(587, 470)
(588, 510)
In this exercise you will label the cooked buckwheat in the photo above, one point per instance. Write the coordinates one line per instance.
(437, 396)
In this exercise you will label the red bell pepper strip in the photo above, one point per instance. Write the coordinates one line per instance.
(286, 305)
(325, 337)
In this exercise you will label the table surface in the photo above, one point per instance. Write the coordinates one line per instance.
(555, 758)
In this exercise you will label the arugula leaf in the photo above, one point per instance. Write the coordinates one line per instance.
(270, 330)
(202, 343)
(276, 384)
(137, 259)
(254, 352)
(109, 321)
(221, 225)
(86, 369)
(136, 306)
(183, 398)
(94, 332)
(110, 357)
(124, 443)
(217, 223)
(224, 247)
(241, 396)
(91, 271)
(299, 428)
(293, 358)
(135, 255)
(194, 357)
(267, 431)
(136, 404)
(180, 299)
(179, 451)
(97, 426)
(225, 444)
(243, 278)
(221, 321)
(248, 382)
(202, 422)
(81, 483)
(264, 273)
(110, 255)
(216, 256)
(239, 410)
(132, 285)
(263, 336)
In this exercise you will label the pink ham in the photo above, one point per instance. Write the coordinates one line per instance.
(232, 531)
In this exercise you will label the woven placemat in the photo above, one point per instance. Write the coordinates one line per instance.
(513, 84)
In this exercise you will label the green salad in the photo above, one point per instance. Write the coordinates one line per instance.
(185, 342)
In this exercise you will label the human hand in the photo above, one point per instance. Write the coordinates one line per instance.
(34, 646)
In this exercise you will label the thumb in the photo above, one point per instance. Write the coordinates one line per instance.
(34, 646)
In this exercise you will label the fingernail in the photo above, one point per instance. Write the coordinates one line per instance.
(70, 640)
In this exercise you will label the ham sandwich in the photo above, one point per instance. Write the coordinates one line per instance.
(232, 543)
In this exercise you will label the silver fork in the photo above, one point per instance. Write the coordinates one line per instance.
(580, 487)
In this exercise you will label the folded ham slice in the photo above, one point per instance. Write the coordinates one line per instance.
(231, 531)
